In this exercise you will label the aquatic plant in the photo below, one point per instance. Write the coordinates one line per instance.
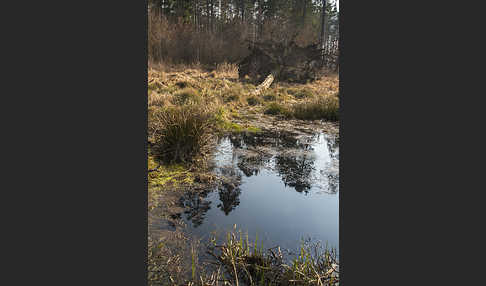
(250, 264)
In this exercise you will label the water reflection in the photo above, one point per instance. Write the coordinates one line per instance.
(229, 194)
(303, 163)
(333, 182)
(197, 204)
(196, 207)
(283, 139)
(295, 168)
(333, 146)
(251, 165)
(296, 171)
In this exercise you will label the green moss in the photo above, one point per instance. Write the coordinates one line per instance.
(231, 126)
(235, 127)
(224, 124)
(253, 129)
(173, 175)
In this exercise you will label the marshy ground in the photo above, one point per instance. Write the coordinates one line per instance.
(191, 111)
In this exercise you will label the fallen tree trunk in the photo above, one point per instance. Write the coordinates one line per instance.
(264, 85)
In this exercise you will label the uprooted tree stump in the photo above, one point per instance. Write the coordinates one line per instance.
(290, 63)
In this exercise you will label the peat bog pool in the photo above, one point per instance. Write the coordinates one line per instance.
(280, 186)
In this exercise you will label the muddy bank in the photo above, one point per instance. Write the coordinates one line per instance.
(252, 117)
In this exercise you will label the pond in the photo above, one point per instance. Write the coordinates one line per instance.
(281, 186)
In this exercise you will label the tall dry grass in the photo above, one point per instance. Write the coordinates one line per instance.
(324, 107)
(181, 133)
(158, 99)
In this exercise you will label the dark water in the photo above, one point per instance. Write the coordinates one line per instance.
(282, 187)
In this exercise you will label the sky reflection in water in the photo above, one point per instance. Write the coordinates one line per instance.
(284, 191)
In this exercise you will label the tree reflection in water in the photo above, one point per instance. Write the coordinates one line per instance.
(196, 207)
(229, 191)
(293, 158)
(229, 196)
(271, 139)
(333, 182)
(296, 171)
(333, 176)
(333, 146)
(251, 165)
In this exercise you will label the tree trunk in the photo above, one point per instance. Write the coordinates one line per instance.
(260, 18)
(264, 85)
(207, 15)
(212, 16)
(323, 24)
(242, 10)
(303, 13)
(194, 12)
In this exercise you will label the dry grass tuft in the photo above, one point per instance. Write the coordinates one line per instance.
(326, 107)
(186, 95)
(181, 133)
(226, 70)
(158, 99)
